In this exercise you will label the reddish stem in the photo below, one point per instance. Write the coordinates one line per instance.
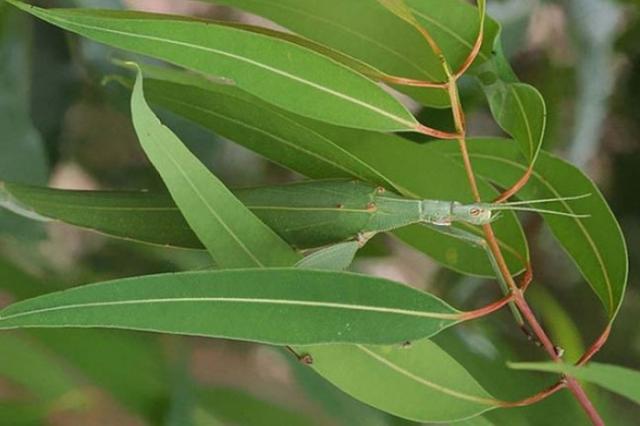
(472, 55)
(487, 310)
(435, 133)
(595, 347)
(516, 186)
(537, 397)
(573, 385)
(414, 83)
(518, 297)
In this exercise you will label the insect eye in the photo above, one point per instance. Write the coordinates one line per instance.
(475, 211)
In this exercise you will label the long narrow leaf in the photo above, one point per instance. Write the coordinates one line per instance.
(286, 74)
(277, 306)
(389, 44)
(518, 108)
(426, 383)
(231, 233)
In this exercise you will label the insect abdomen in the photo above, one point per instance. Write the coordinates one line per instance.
(312, 214)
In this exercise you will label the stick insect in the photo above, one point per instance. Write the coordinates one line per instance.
(307, 214)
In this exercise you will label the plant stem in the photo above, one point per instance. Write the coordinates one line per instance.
(494, 247)
(519, 299)
(545, 393)
(595, 347)
(518, 296)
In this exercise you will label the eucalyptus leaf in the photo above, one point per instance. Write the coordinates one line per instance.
(518, 108)
(363, 29)
(419, 382)
(286, 74)
(221, 221)
(277, 306)
(426, 384)
(595, 244)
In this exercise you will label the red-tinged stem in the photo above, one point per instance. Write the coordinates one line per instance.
(537, 397)
(517, 293)
(401, 81)
(595, 347)
(572, 384)
(519, 299)
(435, 133)
(527, 277)
(473, 54)
(487, 310)
(516, 186)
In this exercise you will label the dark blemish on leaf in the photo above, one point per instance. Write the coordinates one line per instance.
(380, 190)
(372, 206)
(340, 206)
(407, 345)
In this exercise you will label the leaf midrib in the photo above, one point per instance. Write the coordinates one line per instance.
(241, 300)
(361, 36)
(484, 401)
(289, 143)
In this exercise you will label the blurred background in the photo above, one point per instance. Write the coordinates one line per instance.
(59, 126)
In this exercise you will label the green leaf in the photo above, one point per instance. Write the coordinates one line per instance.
(623, 381)
(424, 382)
(320, 150)
(339, 406)
(518, 108)
(137, 216)
(337, 257)
(366, 31)
(420, 382)
(595, 244)
(278, 306)
(401, 10)
(286, 74)
(276, 134)
(231, 233)
(138, 382)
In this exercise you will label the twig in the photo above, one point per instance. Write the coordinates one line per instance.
(517, 293)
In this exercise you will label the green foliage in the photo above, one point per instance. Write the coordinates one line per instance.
(332, 304)
(207, 204)
(313, 101)
(595, 243)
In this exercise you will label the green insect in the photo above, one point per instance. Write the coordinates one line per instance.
(306, 214)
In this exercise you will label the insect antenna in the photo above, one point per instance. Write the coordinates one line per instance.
(545, 200)
(537, 210)
(523, 206)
